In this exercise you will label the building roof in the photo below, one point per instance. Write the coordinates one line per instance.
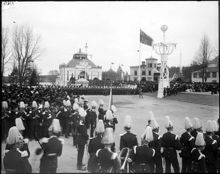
(215, 60)
(209, 69)
(151, 58)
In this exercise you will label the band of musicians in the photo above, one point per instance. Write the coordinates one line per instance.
(92, 128)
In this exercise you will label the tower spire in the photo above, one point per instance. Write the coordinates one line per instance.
(86, 47)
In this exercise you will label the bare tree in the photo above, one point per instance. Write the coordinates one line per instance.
(203, 56)
(6, 54)
(26, 49)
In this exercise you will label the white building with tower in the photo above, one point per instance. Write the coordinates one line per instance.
(78, 68)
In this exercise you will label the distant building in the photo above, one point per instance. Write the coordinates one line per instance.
(79, 67)
(212, 72)
(149, 70)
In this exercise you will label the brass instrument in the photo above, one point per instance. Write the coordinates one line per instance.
(124, 167)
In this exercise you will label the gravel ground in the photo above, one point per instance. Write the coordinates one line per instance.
(177, 107)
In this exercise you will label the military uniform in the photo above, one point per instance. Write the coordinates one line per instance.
(187, 141)
(46, 122)
(75, 120)
(93, 117)
(108, 161)
(35, 124)
(128, 139)
(5, 124)
(157, 159)
(210, 153)
(142, 159)
(101, 113)
(52, 148)
(170, 143)
(198, 161)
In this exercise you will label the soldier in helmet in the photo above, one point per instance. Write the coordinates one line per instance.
(156, 145)
(23, 116)
(4, 120)
(187, 142)
(115, 120)
(81, 139)
(52, 148)
(142, 156)
(75, 120)
(197, 127)
(46, 119)
(101, 110)
(108, 160)
(128, 139)
(94, 145)
(68, 119)
(171, 144)
(93, 118)
(15, 159)
(198, 158)
(210, 148)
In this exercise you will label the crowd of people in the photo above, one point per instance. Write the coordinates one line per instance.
(45, 114)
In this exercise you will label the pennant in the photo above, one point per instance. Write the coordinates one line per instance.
(145, 39)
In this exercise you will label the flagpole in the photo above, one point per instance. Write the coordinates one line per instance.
(139, 60)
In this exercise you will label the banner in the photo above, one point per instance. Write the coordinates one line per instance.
(145, 39)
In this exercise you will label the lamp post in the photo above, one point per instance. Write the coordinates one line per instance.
(163, 49)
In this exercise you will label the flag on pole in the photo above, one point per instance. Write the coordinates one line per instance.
(145, 39)
(110, 103)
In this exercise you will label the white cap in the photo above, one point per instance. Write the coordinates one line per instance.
(215, 125)
(168, 123)
(209, 126)
(197, 124)
(113, 108)
(14, 136)
(108, 115)
(55, 126)
(108, 137)
(200, 139)
(100, 128)
(68, 103)
(101, 102)
(34, 104)
(154, 124)
(127, 122)
(82, 112)
(75, 106)
(151, 116)
(19, 124)
(4, 104)
(188, 123)
(21, 104)
(76, 100)
(46, 104)
(148, 134)
(94, 104)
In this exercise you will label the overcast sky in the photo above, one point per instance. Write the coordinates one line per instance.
(112, 29)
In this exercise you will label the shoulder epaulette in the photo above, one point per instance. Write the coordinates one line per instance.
(44, 140)
(114, 155)
(123, 134)
(23, 153)
(62, 140)
(193, 149)
(26, 141)
(176, 137)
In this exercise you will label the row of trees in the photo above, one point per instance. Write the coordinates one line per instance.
(21, 50)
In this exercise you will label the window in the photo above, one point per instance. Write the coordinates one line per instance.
(207, 74)
(194, 75)
(213, 74)
(149, 73)
(143, 73)
(150, 65)
(200, 75)
(155, 65)
(135, 73)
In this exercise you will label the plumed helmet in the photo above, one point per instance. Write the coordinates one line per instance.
(93, 104)
(34, 104)
(46, 104)
(168, 123)
(101, 102)
(14, 136)
(127, 122)
(82, 112)
(209, 126)
(215, 125)
(154, 124)
(19, 124)
(200, 139)
(68, 97)
(151, 116)
(55, 126)
(4, 104)
(68, 103)
(113, 108)
(75, 106)
(21, 104)
(100, 128)
(188, 123)
(108, 137)
(197, 124)
(148, 134)
(108, 115)
(64, 102)
(76, 100)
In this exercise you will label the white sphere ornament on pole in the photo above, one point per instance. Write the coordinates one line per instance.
(163, 49)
